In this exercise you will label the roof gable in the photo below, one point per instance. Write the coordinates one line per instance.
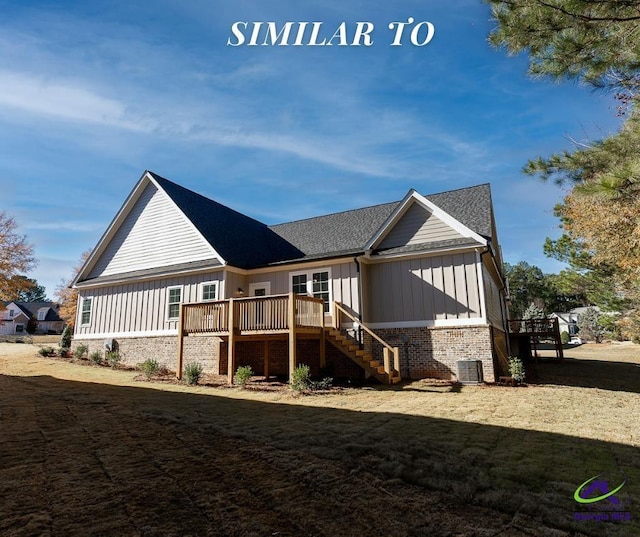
(150, 231)
(417, 220)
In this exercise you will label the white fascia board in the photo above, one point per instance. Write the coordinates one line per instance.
(413, 197)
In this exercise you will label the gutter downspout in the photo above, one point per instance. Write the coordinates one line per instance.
(502, 290)
(358, 271)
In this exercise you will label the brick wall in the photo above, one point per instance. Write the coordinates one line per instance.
(164, 349)
(433, 352)
(211, 352)
(424, 352)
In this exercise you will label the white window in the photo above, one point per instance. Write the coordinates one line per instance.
(313, 283)
(260, 289)
(174, 298)
(42, 314)
(209, 291)
(85, 314)
(11, 314)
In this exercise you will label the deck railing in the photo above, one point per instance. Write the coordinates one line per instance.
(252, 314)
(389, 353)
(205, 317)
(538, 327)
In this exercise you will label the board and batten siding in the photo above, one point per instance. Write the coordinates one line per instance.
(418, 226)
(154, 234)
(139, 307)
(344, 281)
(432, 288)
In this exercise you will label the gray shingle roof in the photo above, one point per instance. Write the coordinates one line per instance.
(247, 243)
(340, 233)
(242, 241)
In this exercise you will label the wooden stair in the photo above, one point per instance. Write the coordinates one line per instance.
(350, 348)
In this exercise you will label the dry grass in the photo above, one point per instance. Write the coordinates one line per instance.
(89, 450)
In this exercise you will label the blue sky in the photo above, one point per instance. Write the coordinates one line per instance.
(94, 93)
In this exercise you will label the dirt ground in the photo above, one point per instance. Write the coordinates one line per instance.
(91, 451)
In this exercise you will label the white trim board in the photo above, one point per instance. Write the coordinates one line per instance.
(442, 323)
(115, 335)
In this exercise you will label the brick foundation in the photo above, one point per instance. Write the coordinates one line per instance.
(211, 352)
(433, 352)
(424, 352)
(164, 349)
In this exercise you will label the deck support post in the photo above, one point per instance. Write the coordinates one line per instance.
(292, 334)
(231, 344)
(180, 344)
(266, 359)
(323, 351)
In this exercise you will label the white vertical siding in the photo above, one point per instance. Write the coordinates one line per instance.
(418, 226)
(138, 307)
(154, 234)
(423, 289)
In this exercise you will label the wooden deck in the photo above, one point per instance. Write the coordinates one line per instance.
(538, 330)
(284, 317)
(253, 318)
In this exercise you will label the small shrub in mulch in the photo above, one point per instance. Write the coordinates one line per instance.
(242, 376)
(193, 372)
(149, 368)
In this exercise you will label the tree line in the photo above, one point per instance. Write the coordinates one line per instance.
(597, 44)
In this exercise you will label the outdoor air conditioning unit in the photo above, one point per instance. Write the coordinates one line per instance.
(469, 371)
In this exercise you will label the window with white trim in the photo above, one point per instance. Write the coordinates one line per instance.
(85, 312)
(42, 314)
(315, 283)
(11, 313)
(174, 298)
(209, 291)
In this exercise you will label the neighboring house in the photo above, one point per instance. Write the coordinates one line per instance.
(423, 274)
(43, 316)
(567, 322)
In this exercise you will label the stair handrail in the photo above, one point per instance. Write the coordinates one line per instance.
(387, 349)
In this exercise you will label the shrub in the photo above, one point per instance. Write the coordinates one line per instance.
(324, 384)
(516, 369)
(149, 367)
(193, 372)
(96, 357)
(82, 351)
(46, 351)
(113, 358)
(565, 337)
(65, 338)
(300, 378)
(65, 352)
(243, 374)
